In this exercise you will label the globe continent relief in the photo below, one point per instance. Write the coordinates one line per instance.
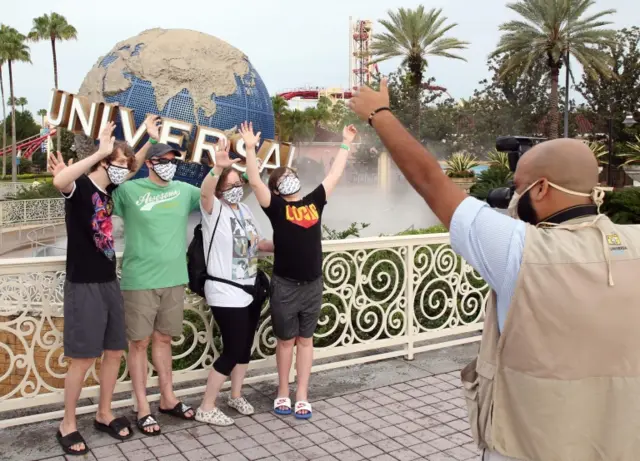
(184, 75)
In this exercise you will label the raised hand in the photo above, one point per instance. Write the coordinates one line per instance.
(251, 140)
(153, 123)
(222, 154)
(107, 140)
(349, 134)
(56, 164)
(366, 100)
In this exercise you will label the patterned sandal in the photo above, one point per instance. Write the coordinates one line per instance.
(145, 422)
(242, 406)
(303, 406)
(179, 411)
(214, 417)
(282, 406)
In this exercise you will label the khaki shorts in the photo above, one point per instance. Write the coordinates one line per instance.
(160, 309)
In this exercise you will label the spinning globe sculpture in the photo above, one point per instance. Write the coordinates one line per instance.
(183, 75)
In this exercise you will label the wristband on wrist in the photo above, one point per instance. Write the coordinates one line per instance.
(153, 141)
(373, 114)
(345, 147)
(212, 173)
(245, 176)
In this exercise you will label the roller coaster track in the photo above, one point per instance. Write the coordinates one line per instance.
(29, 145)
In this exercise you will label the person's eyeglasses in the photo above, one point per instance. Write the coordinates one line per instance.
(232, 186)
(164, 161)
(118, 166)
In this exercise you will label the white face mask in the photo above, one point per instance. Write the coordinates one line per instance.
(166, 171)
(289, 185)
(117, 174)
(596, 195)
(233, 196)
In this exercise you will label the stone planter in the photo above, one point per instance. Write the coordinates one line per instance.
(464, 183)
(633, 171)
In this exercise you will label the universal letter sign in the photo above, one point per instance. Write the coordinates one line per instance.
(79, 115)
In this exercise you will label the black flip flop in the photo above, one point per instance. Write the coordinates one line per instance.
(147, 421)
(179, 411)
(69, 440)
(114, 427)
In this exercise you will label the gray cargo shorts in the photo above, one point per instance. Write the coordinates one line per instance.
(295, 307)
(93, 319)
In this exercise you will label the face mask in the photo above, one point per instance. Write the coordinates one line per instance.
(289, 185)
(117, 174)
(166, 171)
(233, 195)
(520, 206)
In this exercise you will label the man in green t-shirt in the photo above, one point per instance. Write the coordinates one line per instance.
(155, 211)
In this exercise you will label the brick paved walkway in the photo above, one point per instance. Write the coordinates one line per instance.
(416, 420)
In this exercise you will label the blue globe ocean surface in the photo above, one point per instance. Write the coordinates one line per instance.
(251, 102)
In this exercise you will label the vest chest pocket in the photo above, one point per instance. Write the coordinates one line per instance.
(477, 381)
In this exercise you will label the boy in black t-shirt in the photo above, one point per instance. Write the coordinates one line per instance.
(296, 284)
(93, 305)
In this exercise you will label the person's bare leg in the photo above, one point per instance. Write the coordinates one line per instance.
(137, 362)
(109, 369)
(163, 363)
(237, 379)
(284, 359)
(304, 361)
(73, 382)
(214, 384)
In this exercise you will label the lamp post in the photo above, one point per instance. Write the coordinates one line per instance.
(628, 121)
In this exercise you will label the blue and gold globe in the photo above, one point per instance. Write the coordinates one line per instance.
(183, 75)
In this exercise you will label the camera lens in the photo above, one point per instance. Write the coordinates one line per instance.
(500, 197)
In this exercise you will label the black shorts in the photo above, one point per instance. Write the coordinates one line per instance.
(93, 319)
(295, 307)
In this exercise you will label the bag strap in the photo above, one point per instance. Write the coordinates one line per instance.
(244, 288)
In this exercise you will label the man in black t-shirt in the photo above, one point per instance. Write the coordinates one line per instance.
(296, 284)
(93, 305)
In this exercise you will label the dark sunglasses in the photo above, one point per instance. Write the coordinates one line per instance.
(164, 161)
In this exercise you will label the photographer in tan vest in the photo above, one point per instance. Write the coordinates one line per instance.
(558, 373)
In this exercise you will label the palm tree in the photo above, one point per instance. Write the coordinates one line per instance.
(413, 35)
(22, 101)
(548, 32)
(280, 108)
(297, 126)
(54, 27)
(13, 49)
(42, 113)
(4, 117)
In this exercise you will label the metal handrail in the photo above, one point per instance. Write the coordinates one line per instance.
(33, 238)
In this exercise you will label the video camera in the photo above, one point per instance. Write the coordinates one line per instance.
(515, 147)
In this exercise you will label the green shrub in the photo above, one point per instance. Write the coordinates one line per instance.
(491, 178)
(43, 189)
(623, 205)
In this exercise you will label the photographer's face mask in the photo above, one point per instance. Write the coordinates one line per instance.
(521, 206)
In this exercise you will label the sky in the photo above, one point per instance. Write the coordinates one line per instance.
(291, 43)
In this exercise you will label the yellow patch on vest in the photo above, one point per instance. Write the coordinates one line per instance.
(613, 239)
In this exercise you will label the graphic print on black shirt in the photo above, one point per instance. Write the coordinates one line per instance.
(91, 256)
(297, 235)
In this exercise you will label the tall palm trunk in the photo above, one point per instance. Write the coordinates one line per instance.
(416, 65)
(4, 127)
(55, 82)
(14, 157)
(554, 116)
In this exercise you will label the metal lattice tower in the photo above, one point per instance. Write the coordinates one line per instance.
(361, 67)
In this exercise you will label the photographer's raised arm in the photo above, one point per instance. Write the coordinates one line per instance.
(65, 177)
(263, 194)
(421, 169)
(340, 162)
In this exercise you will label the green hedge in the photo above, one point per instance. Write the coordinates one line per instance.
(623, 205)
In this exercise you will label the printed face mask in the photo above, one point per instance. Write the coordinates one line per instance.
(117, 174)
(233, 195)
(289, 185)
(166, 171)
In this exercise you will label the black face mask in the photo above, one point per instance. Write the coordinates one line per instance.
(525, 209)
